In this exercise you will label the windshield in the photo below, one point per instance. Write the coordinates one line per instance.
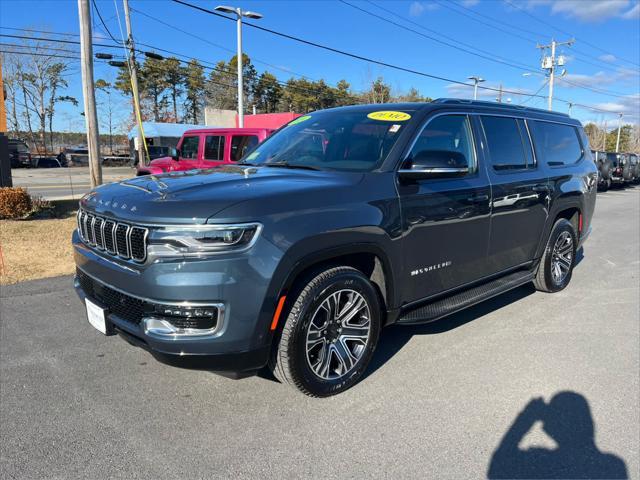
(613, 157)
(333, 140)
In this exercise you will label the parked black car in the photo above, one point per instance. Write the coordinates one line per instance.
(604, 169)
(297, 256)
(620, 171)
(19, 154)
(634, 167)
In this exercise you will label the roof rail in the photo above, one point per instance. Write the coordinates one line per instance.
(504, 106)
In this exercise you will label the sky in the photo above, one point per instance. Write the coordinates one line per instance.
(452, 39)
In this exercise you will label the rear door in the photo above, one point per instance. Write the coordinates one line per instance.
(189, 152)
(241, 144)
(445, 221)
(520, 192)
(213, 150)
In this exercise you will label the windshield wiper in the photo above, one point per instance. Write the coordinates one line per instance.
(290, 165)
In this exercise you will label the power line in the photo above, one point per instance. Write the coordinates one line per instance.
(450, 5)
(202, 39)
(95, 6)
(41, 55)
(485, 55)
(356, 56)
(50, 49)
(544, 22)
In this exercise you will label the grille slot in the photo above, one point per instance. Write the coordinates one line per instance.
(122, 243)
(137, 242)
(121, 239)
(109, 244)
(97, 232)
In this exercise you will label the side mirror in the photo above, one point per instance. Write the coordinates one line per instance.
(174, 153)
(435, 164)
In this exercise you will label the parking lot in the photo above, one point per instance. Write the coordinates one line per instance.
(64, 183)
(437, 402)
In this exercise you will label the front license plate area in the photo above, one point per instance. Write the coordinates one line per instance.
(97, 317)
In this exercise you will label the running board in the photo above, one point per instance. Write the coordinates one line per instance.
(459, 301)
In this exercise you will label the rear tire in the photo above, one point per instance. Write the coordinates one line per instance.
(329, 334)
(559, 257)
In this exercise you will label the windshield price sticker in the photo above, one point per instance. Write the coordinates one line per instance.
(389, 116)
(300, 120)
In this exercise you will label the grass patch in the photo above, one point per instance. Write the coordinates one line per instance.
(38, 248)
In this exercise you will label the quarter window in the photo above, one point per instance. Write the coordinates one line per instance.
(214, 147)
(556, 144)
(241, 144)
(505, 143)
(189, 148)
(445, 137)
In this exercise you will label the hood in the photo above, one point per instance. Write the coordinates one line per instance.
(192, 196)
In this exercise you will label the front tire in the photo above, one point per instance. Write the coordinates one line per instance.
(330, 333)
(556, 266)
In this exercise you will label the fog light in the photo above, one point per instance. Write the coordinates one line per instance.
(180, 321)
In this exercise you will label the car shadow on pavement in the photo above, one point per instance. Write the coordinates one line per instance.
(395, 337)
(567, 420)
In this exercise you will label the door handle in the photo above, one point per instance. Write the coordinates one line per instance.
(541, 188)
(478, 198)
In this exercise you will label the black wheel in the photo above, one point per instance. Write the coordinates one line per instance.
(329, 334)
(558, 260)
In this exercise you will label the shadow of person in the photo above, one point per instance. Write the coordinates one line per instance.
(567, 420)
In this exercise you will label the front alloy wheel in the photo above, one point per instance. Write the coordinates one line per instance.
(338, 334)
(329, 334)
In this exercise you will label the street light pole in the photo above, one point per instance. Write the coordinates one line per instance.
(239, 13)
(619, 128)
(476, 81)
(240, 65)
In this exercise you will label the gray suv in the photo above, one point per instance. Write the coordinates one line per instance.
(344, 221)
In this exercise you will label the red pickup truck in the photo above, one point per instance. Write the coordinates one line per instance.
(206, 148)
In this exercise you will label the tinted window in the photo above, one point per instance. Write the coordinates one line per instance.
(241, 144)
(504, 142)
(556, 144)
(189, 147)
(447, 133)
(214, 147)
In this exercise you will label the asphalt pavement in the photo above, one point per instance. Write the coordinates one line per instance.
(448, 400)
(64, 183)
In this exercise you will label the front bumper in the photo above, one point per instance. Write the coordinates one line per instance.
(236, 285)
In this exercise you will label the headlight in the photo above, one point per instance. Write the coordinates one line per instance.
(202, 239)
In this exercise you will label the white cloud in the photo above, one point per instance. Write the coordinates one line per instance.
(591, 10)
(633, 13)
(418, 8)
(629, 107)
(607, 58)
(599, 79)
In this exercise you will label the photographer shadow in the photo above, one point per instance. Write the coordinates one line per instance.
(567, 420)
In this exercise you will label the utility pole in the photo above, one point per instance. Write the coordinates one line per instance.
(604, 137)
(619, 128)
(549, 63)
(570, 107)
(133, 71)
(90, 113)
(499, 97)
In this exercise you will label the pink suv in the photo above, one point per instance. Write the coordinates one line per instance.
(209, 147)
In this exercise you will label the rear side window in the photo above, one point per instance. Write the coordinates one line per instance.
(189, 147)
(241, 144)
(506, 144)
(556, 144)
(214, 147)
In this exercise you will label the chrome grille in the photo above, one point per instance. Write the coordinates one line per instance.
(118, 239)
